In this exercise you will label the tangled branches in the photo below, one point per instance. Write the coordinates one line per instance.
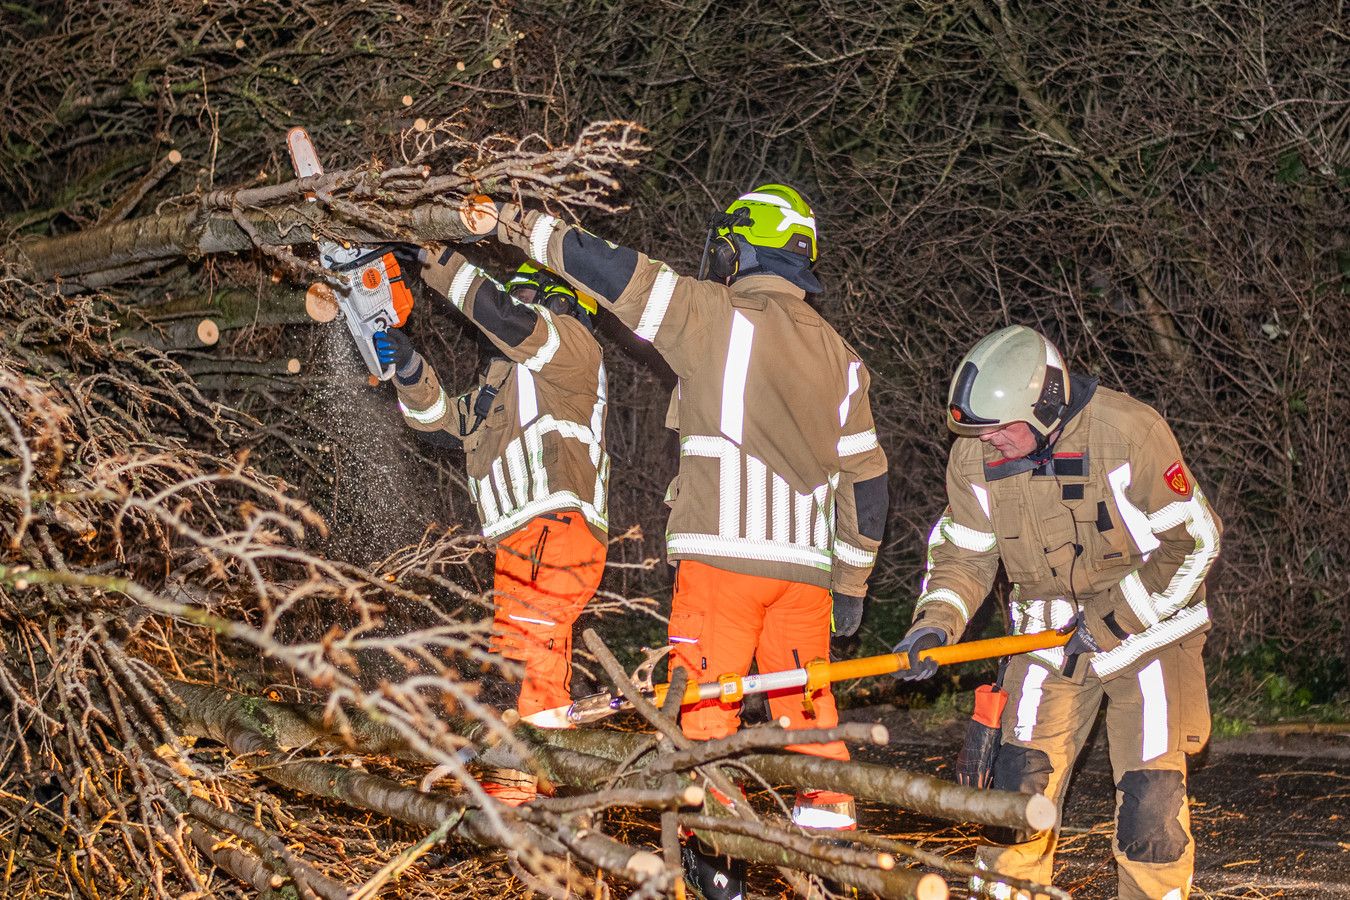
(131, 553)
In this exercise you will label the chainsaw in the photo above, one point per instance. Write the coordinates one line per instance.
(812, 677)
(375, 296)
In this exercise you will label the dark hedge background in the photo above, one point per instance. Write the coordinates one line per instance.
(1160, 187)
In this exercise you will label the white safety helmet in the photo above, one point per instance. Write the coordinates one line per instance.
(1012, 375)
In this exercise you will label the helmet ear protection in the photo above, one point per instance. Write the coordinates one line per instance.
(724, 257)
(722, 254)
(730, 256)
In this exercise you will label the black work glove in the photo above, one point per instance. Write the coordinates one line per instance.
(846, 614)
(1081, 642)
(393, 346)
(925, 638)
(409, 257)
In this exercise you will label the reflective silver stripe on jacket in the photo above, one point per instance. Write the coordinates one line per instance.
(463, 280)
(734, 374)
(1183, 624)
(544, 355)
(658, 302)
(772, 521)
(539, 238)
(946, 530)
(862, 442)
(1192, 513)
(527, 398)
(853, 384)
(1036, 615)
(853, 556)
(746, 548)
(434, 413)
(518, 489)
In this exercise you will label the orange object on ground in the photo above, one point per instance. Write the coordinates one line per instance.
(546, 573)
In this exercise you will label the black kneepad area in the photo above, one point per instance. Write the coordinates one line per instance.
(1018, 769)
(1148, 829)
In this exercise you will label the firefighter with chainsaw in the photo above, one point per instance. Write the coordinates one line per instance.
(778, 507)
(1082, 494)
(533, 431)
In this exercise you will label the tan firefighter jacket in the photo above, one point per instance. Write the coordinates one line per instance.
(1114, 521)
(534, 427)
(777, 445)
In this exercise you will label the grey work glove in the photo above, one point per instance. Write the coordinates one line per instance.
(1081, 642)
(845, 615)
(918, 639)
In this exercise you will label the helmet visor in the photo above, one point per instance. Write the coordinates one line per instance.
(960, 417)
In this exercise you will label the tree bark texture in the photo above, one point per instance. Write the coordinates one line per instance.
(194, 232)
(586, 758)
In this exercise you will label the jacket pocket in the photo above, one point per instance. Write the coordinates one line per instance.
(1018, 559)
(1103, 531)
(673, 492)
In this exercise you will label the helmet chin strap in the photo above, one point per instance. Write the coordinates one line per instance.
(1045, 448)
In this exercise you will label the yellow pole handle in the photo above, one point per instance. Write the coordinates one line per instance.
(1010, 645)
(821, 672)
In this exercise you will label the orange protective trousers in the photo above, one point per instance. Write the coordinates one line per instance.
(546, 573)
(720, 621)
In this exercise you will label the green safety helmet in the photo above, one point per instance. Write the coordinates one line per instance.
(552, 291)
(1013, 375)
(770, 229)
(779, 217)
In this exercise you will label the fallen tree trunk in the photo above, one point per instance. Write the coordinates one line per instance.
(175, 324)
(363, 206)
(581, 748)
(882, 882)
(255, 729)
(196, 232)
(586, 758)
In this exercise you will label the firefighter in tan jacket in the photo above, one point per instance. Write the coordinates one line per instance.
(778, 508)
(1081, 493)
(533, 431)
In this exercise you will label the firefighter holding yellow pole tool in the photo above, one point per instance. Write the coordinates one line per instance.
(1081, 494)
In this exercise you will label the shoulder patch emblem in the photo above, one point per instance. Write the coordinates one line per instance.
(1175, 476)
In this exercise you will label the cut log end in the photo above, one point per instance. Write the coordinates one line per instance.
(208, 332)
(885, 862)
(293, 366)
(931, 887)
(320, 303)
(880, 735)
(693, 795)
(1040, 812)
(175, 157)
(644, 864)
